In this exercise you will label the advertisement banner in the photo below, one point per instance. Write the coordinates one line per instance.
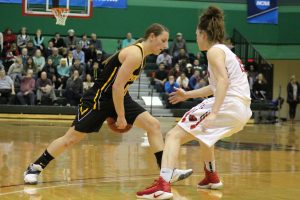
(263, 11)
(97, 3)
(110, 3)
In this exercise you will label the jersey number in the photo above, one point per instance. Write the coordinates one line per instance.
(241, 64)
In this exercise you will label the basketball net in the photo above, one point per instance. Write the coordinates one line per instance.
(61, 15)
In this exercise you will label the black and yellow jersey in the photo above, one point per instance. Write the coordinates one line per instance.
(102, 87)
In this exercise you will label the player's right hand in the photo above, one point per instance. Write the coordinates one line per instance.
(121, 122)
(177, 96)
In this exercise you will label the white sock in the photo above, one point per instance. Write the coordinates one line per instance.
(166, 174)
(210, 165)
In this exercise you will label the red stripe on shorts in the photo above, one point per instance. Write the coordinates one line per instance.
(200, 106)
(202, 117)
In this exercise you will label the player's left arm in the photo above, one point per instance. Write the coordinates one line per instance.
(216, 59)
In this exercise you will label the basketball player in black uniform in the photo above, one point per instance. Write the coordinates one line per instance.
(109, 97)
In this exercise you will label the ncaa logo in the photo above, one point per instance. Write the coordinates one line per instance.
(262, 4)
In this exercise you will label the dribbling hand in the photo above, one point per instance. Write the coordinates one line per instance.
(112, 124)
(121, 122)
(177, 96)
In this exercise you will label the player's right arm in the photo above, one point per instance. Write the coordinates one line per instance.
(181, 95)
(131, 57)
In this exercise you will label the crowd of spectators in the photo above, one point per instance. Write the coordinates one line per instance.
(179, 68)
(34, 71)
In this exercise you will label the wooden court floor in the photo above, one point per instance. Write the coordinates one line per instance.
(261, 162)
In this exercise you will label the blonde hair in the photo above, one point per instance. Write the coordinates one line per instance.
(155, 28)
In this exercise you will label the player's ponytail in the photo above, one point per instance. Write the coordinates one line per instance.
(139, 41)
(212, 22)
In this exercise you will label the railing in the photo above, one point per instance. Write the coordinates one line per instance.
(249, 55)
(245, 50)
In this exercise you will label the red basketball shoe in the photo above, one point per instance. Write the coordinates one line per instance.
(159, 190)
(210, 181)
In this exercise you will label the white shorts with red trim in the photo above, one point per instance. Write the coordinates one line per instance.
(231, 118)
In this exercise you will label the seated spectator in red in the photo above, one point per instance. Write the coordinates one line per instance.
(11, 55)
(27, 89)
(160, 77)
(7, 89)
(74, 89)
(8, 38)
(44, 88)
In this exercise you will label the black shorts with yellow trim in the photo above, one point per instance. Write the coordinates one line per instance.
(90, 120)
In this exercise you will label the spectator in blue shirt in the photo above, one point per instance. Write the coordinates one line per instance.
(170, 85)
(79, 54)
(128, 41)
(195, 78)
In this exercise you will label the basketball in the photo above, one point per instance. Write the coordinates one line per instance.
(111, 122)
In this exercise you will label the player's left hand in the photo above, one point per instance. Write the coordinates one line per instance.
(209, 120)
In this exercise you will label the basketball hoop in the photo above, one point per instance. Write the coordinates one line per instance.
(61, 15)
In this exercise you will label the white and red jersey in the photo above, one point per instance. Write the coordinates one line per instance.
(238, 86)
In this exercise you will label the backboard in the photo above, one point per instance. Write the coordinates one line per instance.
(77, 8)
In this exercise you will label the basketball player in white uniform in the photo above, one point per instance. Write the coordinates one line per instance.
(217, 117)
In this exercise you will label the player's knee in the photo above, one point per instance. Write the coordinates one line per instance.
(153, 125)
